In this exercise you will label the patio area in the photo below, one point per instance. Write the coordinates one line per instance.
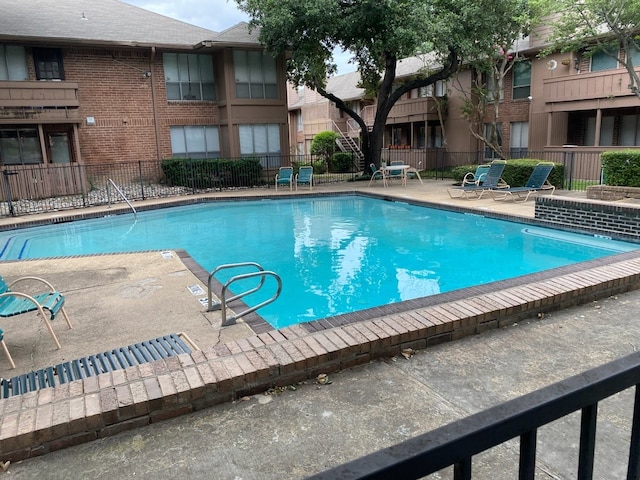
(117, 300)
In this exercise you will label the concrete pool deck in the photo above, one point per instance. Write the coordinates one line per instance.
(134, 297)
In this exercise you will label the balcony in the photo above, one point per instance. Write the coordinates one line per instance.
(607, 89)
(37, 102)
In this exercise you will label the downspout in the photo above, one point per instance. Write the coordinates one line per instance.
(153, 103)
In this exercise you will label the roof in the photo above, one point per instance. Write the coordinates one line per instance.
(104, 22)
(345, 86)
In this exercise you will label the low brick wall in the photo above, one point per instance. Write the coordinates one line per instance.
(611, 193)
(620, 221)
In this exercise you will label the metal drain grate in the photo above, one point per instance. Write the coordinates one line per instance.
(119, 358)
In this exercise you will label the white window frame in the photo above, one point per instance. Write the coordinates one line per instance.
(255, 75)
(195, 141)
(259, 139)
(523, 90)
(189, 76)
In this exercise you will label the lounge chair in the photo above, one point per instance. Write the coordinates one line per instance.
(14, 303)
(6, 350)
(284, 177)
(538, 183)
(492, 181)
(415, 171)
(477, 177)
(377, 174)
(305, 177)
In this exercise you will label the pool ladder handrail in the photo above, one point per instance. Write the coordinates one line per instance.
(121, 193)
(222, 306)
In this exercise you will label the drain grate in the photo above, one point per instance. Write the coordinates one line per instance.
(119, 358)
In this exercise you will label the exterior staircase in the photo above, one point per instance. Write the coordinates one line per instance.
(349, 145)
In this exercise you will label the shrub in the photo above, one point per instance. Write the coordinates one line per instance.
(621, 168)
(211, 173)
(342, 162)
(324, 144)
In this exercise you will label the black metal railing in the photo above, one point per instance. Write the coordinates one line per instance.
(457, 443)
(29, 189)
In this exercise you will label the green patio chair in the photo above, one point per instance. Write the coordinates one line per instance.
(15, 303)
(284, 177)
(305, 177)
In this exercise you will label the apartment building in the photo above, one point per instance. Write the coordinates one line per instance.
(553, 106)
(93, 82)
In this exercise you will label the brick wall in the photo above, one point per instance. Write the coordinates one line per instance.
(113, 90)
(599, 217)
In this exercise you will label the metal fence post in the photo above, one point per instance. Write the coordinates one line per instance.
(141, 179)
(7, 185)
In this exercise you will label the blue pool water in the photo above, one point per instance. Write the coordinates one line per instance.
(335, 255)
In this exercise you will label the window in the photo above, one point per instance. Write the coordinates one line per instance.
(440, 89)
(630, 130)
(20, 146)
(521, 79)
(195, 142)
(489, 153)
(519, 139)
(299, 119)
(259, 139)
(255, 75)
(635, 57)
(188, 76)
(491, 89)
(603, 61)
(13, 63)
(48, 63)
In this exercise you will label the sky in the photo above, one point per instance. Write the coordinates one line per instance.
(216, 15)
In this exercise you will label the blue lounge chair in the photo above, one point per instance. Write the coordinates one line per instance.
(15, 303)
(538, 183)
(305, 177)
(284, 177)
(491, 181)
(376, 174)
(477, 177)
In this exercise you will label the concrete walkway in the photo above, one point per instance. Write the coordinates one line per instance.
(291, 433)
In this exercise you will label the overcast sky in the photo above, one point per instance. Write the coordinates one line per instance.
(216, 15)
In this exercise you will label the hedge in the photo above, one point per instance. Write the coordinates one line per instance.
(212, 173)
(621, 168)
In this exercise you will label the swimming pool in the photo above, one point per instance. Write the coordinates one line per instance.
(335, 254)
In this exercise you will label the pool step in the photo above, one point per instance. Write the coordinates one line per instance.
(119, 358)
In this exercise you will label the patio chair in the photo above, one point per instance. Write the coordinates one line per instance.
(15, 303)
(6, 350)
(376, 174)
(492, 180)
(305, 177)
(415, 171)
(284, 177)
(477, 177)
(537, 183)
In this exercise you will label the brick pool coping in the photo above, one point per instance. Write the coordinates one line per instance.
(50, 419)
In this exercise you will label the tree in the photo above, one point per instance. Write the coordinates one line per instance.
(608, 26)
(481, 102)
(378, 33)
(324, 144)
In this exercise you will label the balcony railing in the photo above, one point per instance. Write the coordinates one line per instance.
(457, 443)
(608, 84)
(38, 102)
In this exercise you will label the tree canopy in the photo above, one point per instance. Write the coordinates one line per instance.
(378, 33)
(608, 26)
